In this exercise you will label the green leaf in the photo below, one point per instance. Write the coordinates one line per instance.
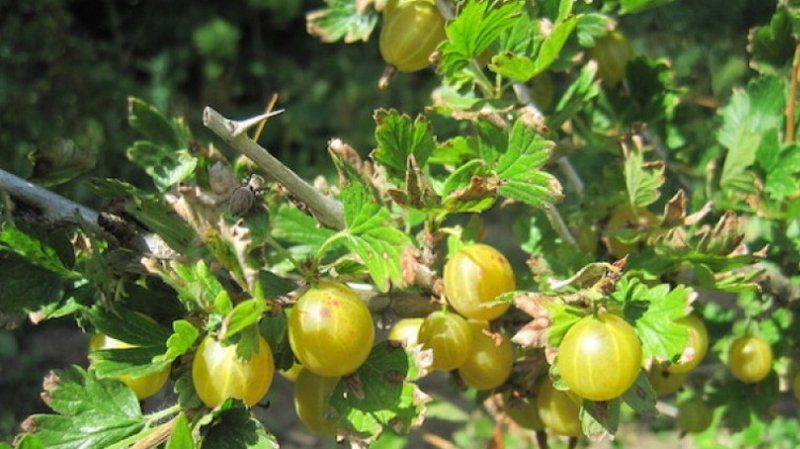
(26, 287)
(518, 168)
(341, 19)
(390, 399)
(399, 137)
(231, 426)
(91, 413)
(274, 330)
(475, 28)
(151, 211)
(654, 311)
(134, 362)
(35, 251)
(198, 288)
(369, 235)
(562, 317)
(180, 342)
(748, 116)
(599, 419)
(293, 225)
(128, 326)
(517, 67)
(583, 90)
(166, 166)
(461, 177)
(454, 151)
(154, 126)
(28, 442)
(642, 181)
(641, 397)
(181, 437)
(445, 411)
(591, 26)
(553, 44)
(244, 314)
(633, 6)
(772, 45)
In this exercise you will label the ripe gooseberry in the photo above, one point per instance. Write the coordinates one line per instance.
(558, 409)
(406, 331)
(524, 412)
(750, 359)
(218, 373)
(600, 357)
(143, 386)
(331, 330)
(489, 364)
(474, 277)
(694, 415)
(665, 382)
(698, 344)
(411, 31)
(612, 53)
(312, 394)
(449, 337)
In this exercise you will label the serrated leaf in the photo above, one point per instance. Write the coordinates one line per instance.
(33, 250)
(198, 288)
(475, 28)
(293, 225)
(231, 426)
(517, 67)
(151, 211)
(591, 26)
(641, 397)
(184, 334)
(642, 182)
(165, 165)
(654, 312)
(599, 419)
(153, 125)
(181, 436)
(562, 317)
(26, 287)
(92, 413)
(274, 331)
(390, 399)
(749, 115)
(518, 168)
(772, 45)
(244, 314)
(399, 137)
(582, 90)
(134, 362)
(368, 234)
(341, 19)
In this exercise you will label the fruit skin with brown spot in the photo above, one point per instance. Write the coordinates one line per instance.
(665, 382)
(473, 279)
(411, 31)
(449, 337)
(331, 329)
(750, 359)
(600, 357)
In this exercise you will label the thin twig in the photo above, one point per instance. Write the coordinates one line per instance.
(53, 207)
(328, 210)
(790, 118)
(558, 224)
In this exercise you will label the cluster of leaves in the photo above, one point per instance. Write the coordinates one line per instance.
(175, 265)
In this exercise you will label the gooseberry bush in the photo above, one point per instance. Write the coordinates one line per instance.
(644, 274)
